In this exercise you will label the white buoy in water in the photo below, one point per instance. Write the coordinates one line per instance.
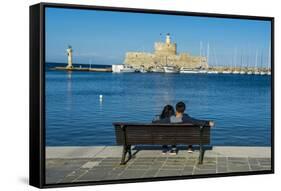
(101, 97)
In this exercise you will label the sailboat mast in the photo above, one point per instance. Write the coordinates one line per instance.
(208, 52)
(269, 59)
(256, 62)
(200, 53)
(235, 57)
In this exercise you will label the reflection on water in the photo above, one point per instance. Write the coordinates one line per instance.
(76, 115)
(69, 91)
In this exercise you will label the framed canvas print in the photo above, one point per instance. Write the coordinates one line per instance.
(123, 95)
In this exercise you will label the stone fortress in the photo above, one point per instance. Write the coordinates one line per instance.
(165, 54)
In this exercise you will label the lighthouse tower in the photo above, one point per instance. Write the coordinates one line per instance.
(168, 39)
(69, 56)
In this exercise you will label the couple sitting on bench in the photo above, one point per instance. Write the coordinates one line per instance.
(169, 115)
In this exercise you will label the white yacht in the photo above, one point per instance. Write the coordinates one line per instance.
(212, 72)
(127, 69)
(142, 70)
(188, 71)
(256, 73)
(268, 73)
(226, 72)
(170, 69)
(262, 73)
(242, 72)
(202, 71)
(249, 72)
(235, 72)
(156, 70)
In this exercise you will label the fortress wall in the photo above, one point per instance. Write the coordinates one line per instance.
(139, 59)
(148, 60)
(165, 49)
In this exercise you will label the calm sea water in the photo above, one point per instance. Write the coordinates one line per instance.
(240, 105)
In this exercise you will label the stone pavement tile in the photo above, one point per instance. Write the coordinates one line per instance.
(259, 168)
(209, 160)
(206, 166)
(142, 162)
(221, 168)
(187, 170)
(130, 174)
(55, 176)
(109, 164)
(190, 163)
(94, 174)
(90, 164)
(167, 167)
(204, 171)
(167, 163)
(156, 165)
(253, 161)
(162, 173)
(138, 167)
(56, 170)
(109, 151)
(221, 160)
(145, 159)
(72, 152)
(111, 159)
(95, 159)
(71, 177)
(238, 161)
(161, 159)
(264, 161)
(238, 168)
(150, 173)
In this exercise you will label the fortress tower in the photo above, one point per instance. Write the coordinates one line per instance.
(166, 48)
(69, 56)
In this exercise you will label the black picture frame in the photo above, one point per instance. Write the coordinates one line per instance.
(37, 92)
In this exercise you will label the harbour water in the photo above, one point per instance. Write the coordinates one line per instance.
(240, 105)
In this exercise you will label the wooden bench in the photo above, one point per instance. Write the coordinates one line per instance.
(128, 134)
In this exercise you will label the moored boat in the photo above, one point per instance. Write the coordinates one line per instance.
(212, 72)
(170, 69)
(188, 71)
(262, 73)
(127, 69)
(226, 72)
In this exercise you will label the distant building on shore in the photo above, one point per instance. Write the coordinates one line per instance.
(165, 54)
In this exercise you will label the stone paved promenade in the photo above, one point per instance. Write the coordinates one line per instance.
(76, 164)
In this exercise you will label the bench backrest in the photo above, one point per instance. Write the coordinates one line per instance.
(157, 134)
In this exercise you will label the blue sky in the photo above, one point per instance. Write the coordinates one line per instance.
(104, 37)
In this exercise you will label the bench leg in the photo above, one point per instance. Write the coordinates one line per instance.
(201, 155)
(126, 149)
(124, 155)
(130, 152)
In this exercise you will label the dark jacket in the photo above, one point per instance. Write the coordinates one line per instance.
(185, 119)
(164, 120)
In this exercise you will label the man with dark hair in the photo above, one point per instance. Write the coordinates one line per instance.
(182, 117)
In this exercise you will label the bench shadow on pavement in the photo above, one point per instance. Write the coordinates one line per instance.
(139, 148)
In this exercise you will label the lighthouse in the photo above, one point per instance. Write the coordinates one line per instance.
(69, 58)
(168, 39)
